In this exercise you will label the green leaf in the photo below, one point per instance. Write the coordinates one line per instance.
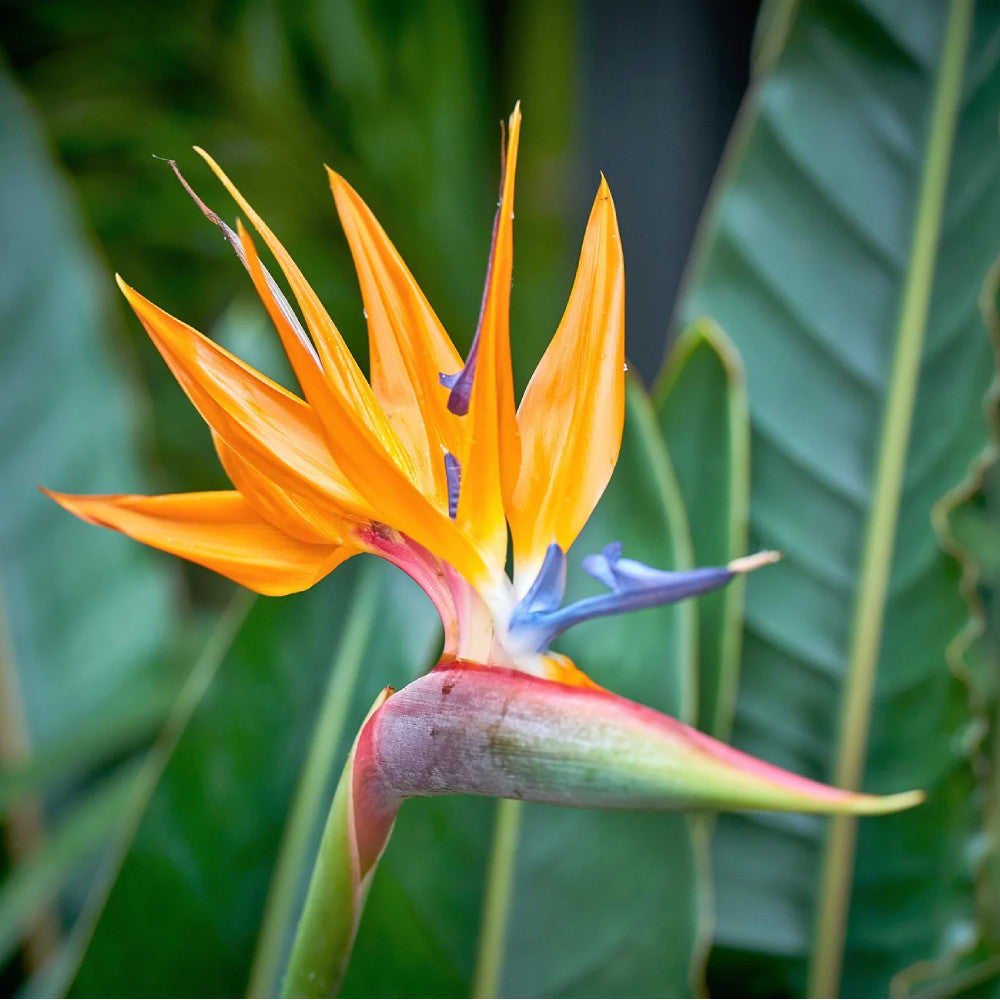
(84, 615)
(843, 256)
(702, 406)
(56, 976)
(78, 838)
(630, 881)
(137, 715)
(970, 529)
(208, 843)
(86, 609)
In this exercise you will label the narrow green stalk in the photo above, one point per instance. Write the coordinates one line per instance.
(739, 524)
(336, 896)
(496, 903)
(325, 935)
(869, 612)
(310, 798)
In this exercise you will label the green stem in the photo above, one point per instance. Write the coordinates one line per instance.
(336, 896)
(739, 527)
(869, 612)
(311, 796)
(496, 903)
(325, 935)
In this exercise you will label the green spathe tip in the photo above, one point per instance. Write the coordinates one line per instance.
(879, 805)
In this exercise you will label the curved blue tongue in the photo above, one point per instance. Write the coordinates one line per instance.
(632, 585)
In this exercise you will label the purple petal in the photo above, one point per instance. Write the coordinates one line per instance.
(460, 383)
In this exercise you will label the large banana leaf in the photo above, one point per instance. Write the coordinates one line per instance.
(84, 608)
(857, 214)
(83, 616)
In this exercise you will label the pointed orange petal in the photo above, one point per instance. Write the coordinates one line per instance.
(257, 418)
(305, 362)
(409, 347)
(491, 459)
(288, 510)
(359, 437)
(220, 531)
(573, 409)
(341, 369)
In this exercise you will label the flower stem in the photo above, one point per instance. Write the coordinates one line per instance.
(325, 934)
(496, 903)
(311, 796)
(338, 887)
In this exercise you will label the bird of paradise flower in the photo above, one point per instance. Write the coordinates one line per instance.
(428, 466)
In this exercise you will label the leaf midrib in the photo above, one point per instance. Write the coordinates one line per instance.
(877, 553)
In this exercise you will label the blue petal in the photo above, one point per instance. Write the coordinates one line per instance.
(640, 586)
(529, 625)
(547, 591)
(632, 585)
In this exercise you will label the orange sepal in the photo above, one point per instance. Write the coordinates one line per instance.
(359, 439)
(220, 531)
(573, 410)
(341, 369)
(305, 363)
(560, 668)
(262, 422)
(288, 510)
(491, 459)
(408, 346)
